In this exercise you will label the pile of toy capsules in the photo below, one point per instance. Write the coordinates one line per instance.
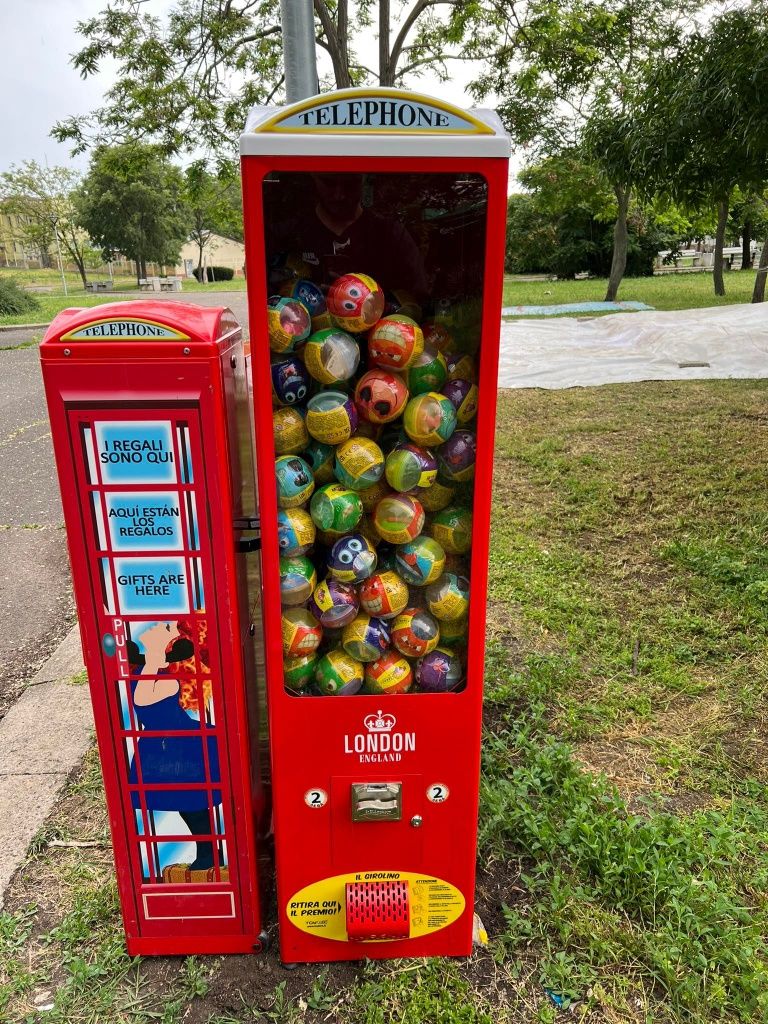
(373, 429)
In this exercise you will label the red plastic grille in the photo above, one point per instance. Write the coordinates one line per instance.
(377, 910)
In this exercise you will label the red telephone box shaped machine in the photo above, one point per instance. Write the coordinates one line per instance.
(374, 226)
(151, 430)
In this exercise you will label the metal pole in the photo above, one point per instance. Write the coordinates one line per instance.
(58, 253)
(299, 56)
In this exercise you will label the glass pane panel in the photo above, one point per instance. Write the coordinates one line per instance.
(375, 330)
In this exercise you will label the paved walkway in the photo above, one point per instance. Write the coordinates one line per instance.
(42, 740)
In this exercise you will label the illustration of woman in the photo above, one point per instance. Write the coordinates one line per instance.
(164, 760)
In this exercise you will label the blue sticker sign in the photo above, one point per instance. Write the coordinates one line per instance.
(144, 521)
(156, 586)
(135, 452)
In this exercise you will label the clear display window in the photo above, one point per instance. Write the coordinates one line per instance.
(374, 325)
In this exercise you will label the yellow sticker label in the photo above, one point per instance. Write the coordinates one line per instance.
(320, 908)
(128, 327)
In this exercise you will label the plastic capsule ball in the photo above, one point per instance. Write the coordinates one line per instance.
(454, 633)
(463, 395)
(434, 497)
(295, 482)
(383, 595)
(331, 417)
(320, 457)
(366, 638)
(295, 531)
(352, 559)
(297, 580)
(408, 466)
(398, 518)
(335, 507)
(420, 561)
(427, 372)
(439, 672)
(448, 597)
(456, 458)
(415, 632)
(301, 631)
(380, 396)
(331, 356)
(452, 529)
(333, 604)
(391, 673)
(289, 431)
(438, 335)
(371, 496)
(359, 463)
(429, 419)
(337, 674)
(355, 302)
(290, 381)
(309, 294)
(395, 342)
(462, 367)
(288, 322)
(299, 672)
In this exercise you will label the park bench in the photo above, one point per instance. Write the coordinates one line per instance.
(98, 286)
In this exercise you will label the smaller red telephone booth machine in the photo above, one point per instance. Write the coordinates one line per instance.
(374, 232)
(152, 435)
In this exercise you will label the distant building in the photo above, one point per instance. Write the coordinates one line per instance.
(14, 251)
(218, 251)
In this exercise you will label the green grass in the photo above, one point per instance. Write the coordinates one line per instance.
(668, 291)
(51, 303)
(624, 818)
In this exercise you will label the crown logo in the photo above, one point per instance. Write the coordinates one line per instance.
(379, 722)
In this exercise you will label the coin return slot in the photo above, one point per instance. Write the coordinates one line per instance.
(376, 801)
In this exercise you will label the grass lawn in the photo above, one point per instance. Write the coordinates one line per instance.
(672, 291)
(623, 865)
(668, 291)
(51, 303)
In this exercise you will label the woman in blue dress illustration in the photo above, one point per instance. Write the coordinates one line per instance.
(156, 691)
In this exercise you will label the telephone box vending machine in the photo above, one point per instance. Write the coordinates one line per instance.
(151, 430)
(374, 226)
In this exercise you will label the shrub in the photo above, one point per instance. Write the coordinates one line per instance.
(217, 273)
(14, 300)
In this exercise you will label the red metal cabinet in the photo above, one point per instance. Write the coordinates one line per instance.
(149, 414)
(404, 885)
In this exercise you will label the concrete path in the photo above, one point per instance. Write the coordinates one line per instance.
(42, 740)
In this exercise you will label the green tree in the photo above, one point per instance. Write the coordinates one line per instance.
(568, 73)
(213, 203)
(131, 202)
(186, 79)
(564, 224)
(705, 118)
(46, 200)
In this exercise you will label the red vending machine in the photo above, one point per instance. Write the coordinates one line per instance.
(374, 225)
(150, 419)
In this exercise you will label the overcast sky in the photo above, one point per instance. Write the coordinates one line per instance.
(38, 85)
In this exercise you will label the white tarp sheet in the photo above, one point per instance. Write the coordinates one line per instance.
(691, 344)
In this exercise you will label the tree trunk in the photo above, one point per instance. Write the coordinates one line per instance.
(746, 245)
(758, 295)
(81, 270)
(620, 242)
(385, 75)
(722, 223)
